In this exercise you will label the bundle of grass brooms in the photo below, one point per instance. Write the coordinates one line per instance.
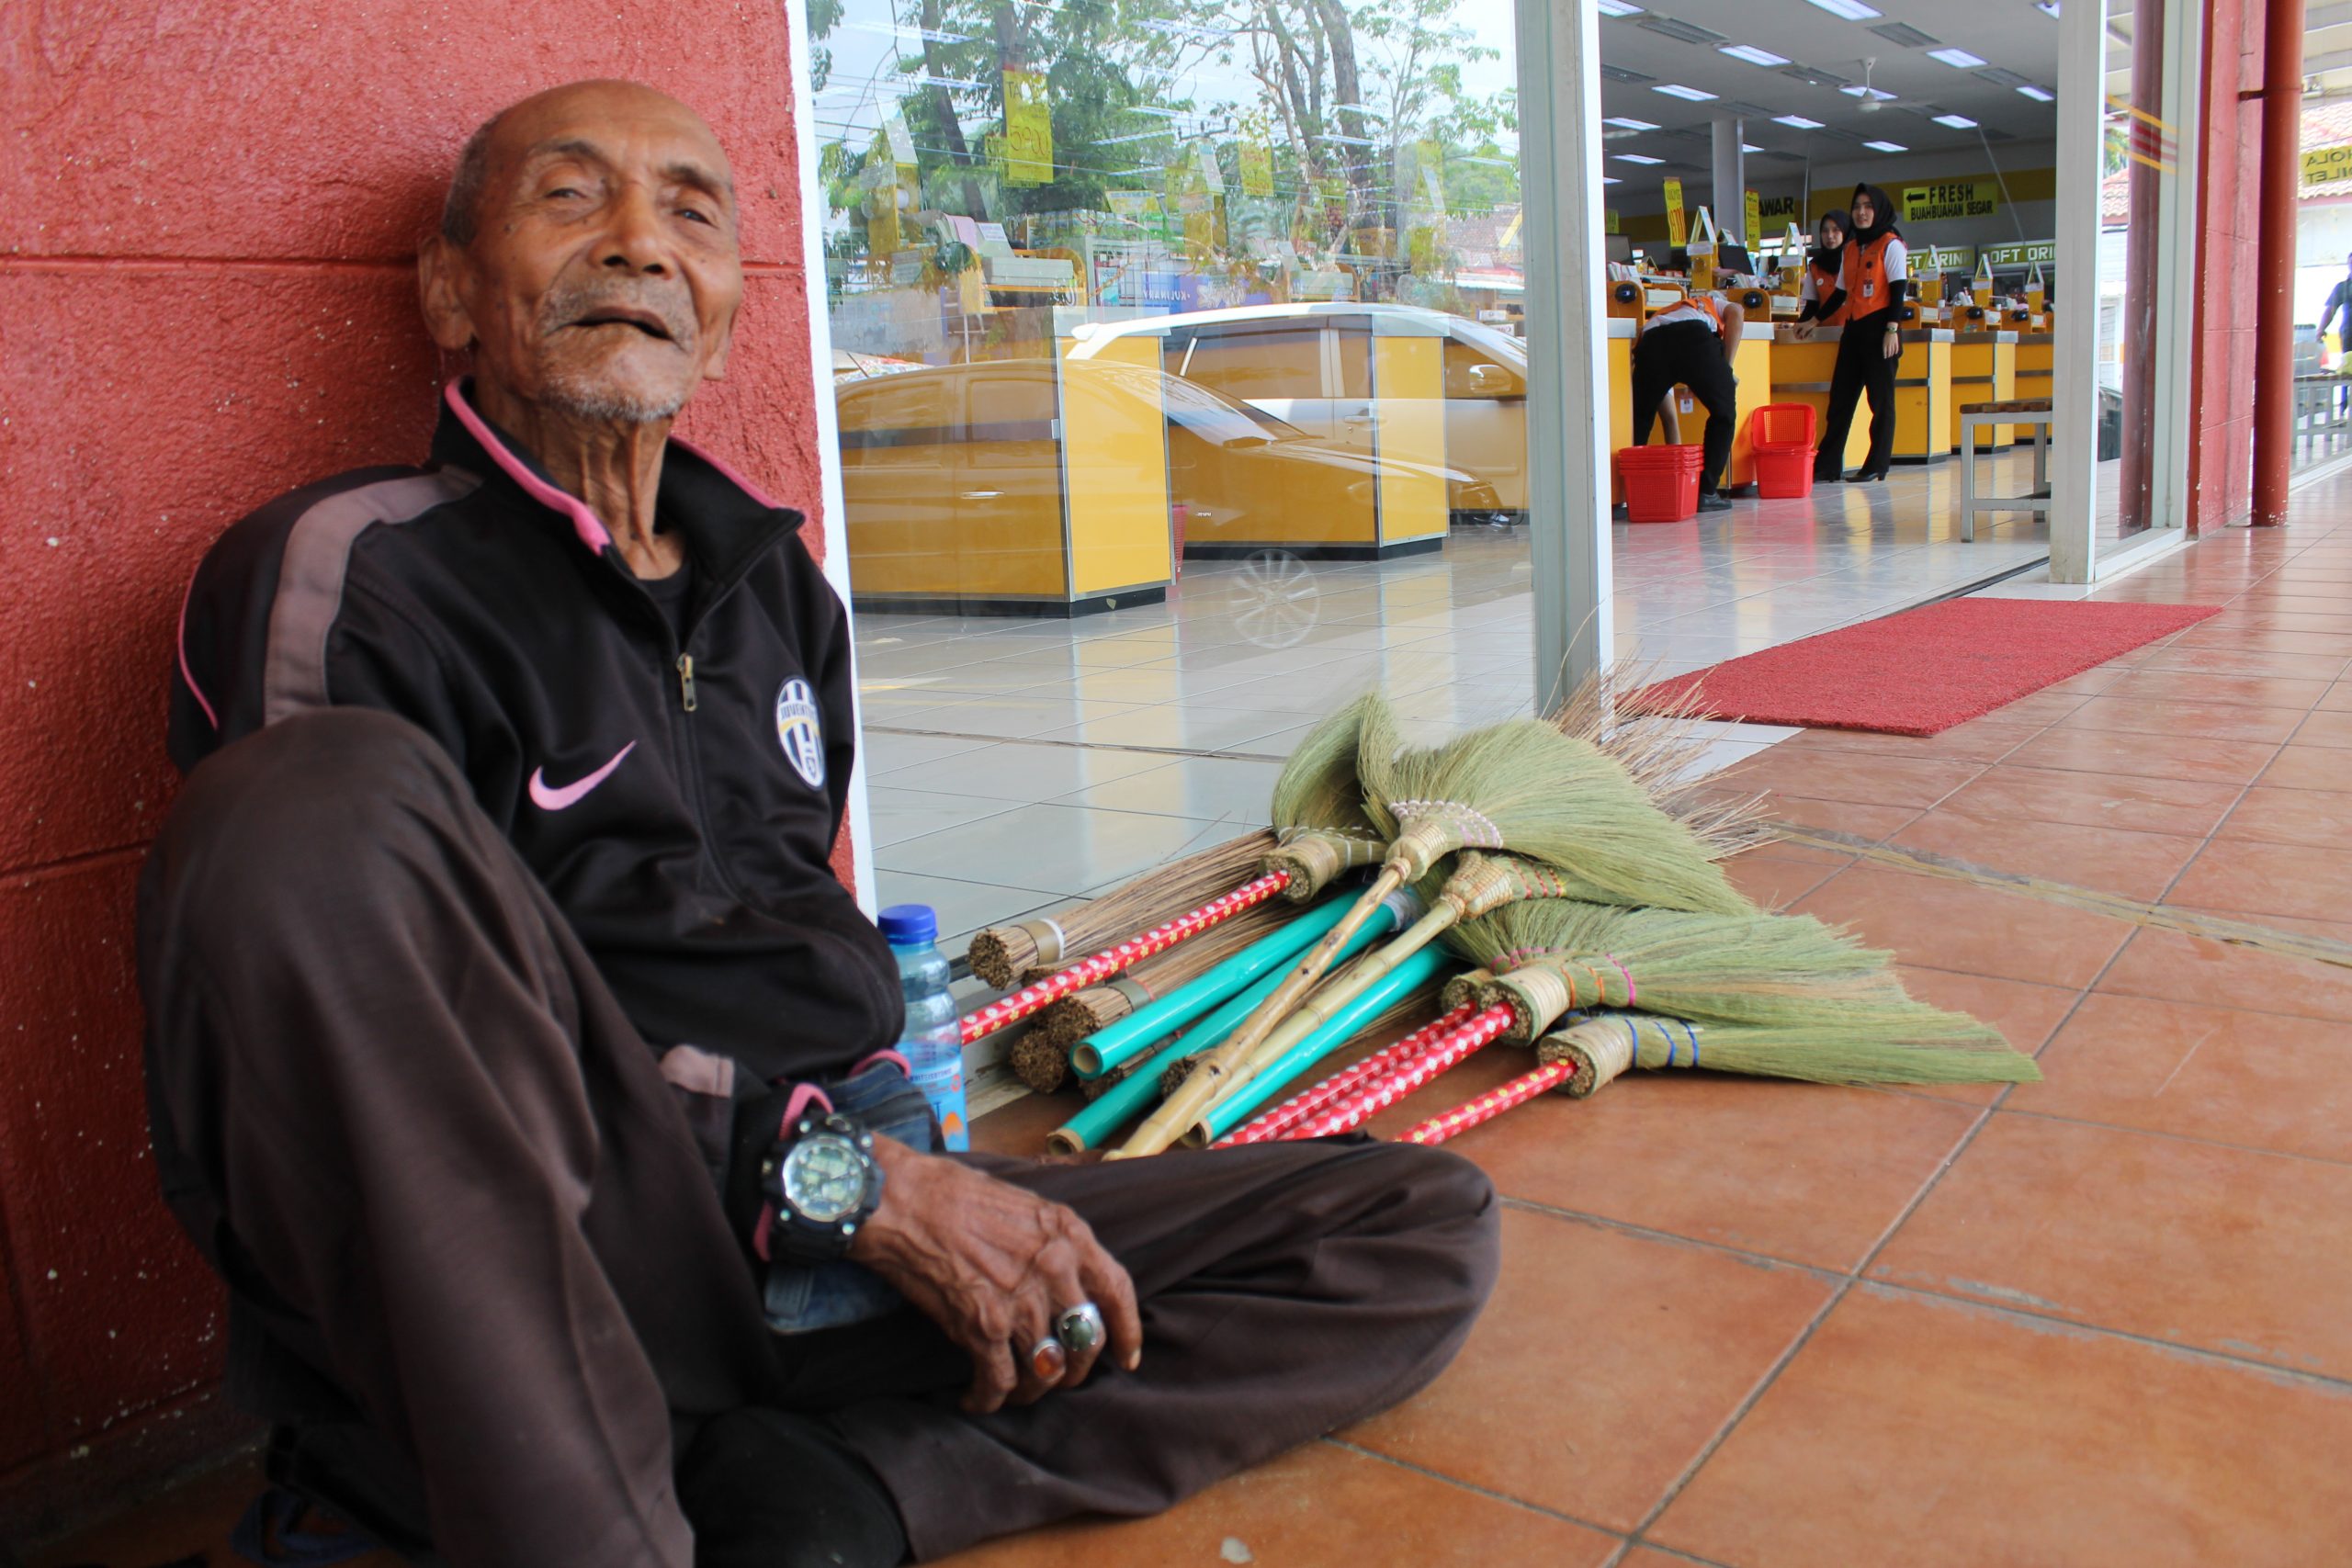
(1578, 866)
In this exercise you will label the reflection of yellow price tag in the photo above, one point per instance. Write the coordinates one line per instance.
(1256, 169)
(1028, 129)
(1676, 233)
(1754, 232)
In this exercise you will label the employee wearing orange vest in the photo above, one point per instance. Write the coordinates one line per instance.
(1690, 344)
(1824, 270)
(1873, 281)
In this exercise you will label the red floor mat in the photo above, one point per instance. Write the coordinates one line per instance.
(1924, 671)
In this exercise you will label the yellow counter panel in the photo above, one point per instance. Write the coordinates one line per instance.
(1801, 374)
(1983, 370)
(1114, 468)
(1408, 421)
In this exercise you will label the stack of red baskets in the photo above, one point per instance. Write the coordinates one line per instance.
(1661, 482)
(1782, 436)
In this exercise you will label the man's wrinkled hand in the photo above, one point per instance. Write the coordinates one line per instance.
(994, 1265)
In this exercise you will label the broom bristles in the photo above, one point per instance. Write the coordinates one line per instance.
(1079, 1014)
(1525, 786)
(999, 953)
(1603, 1046)
(1317, 810)
(1660, 748)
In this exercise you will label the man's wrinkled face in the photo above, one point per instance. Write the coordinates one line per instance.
(604, 274)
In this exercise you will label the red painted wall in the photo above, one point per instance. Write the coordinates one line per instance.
(206, 217)
(2221, 464)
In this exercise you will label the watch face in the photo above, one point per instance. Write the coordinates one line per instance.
(824, 1178)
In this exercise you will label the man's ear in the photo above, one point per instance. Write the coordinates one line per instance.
(715, 368)
(440, 271)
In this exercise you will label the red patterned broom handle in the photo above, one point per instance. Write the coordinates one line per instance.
(1352, 1110)
(1280, 1119)
(1111, 959)
(1489, 1105)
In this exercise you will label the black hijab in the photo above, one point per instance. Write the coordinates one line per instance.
(1829, 258)
(1881, 216)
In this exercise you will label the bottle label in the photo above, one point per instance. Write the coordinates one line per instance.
(942, 1084)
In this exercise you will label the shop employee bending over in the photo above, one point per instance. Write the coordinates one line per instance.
(1689, 345)
(1875, 278)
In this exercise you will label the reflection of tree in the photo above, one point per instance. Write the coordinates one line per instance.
(1341, 90)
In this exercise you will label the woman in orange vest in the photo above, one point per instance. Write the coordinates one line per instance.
(1873, 279)
(1824, 271)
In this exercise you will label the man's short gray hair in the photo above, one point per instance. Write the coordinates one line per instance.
(458, 208)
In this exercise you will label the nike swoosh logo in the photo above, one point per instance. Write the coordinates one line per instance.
(547, 797)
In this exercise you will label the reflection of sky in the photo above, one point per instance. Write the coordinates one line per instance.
(867, 82)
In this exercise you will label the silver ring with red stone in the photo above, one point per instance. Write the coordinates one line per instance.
(1048, 1360)
(1080, 1328)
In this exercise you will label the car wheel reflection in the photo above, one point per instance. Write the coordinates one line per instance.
(1275, 600)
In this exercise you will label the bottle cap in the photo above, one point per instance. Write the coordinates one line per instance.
(908, 924)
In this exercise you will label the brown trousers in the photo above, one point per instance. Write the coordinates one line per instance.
(456, 1201)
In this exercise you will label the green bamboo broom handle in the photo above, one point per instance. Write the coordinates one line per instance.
(1134, 1035)
(1182, 1109)
(1125, 1099)
(1413, 970)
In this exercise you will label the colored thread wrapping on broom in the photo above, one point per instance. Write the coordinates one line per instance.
(1275, 1123)
(1352, 1110)
(987, 1020)
(1487, 1106)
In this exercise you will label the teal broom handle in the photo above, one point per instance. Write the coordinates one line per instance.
(1415, 969)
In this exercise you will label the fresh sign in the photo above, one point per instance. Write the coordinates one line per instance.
(1951, 199)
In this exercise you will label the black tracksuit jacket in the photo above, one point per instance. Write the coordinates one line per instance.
(678, 803)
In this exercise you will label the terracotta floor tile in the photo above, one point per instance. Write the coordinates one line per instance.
(2273, 620)
(2026, 1016)
(1018, 1126)
(2255, 691)
(2046, 707)
(1775, 881)
(1853, 776)
(2203, 721)
(2287, 600)
(1977, 741)
(2261, 1079)
(1319, 1507)
(2309, 767)
(2112, 860)
(1942, 924)
(2171, 966)
(2304, 880)
(2318, 645)
(2326, 729)
(1800, 1171)
(1871, 824)
(2293, 815)
(2092, 800)
(1939, 1435)
(2243, 662)
(2142, 756)
(2222, 1249)
(2337, 698)
(1602, 1368)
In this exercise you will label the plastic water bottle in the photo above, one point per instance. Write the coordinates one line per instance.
(933, 1042)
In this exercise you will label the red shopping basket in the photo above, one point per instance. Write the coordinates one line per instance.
(1781, 437)
(1661, 482)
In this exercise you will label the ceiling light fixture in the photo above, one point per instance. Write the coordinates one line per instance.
(1957, 122)
(1796, 122)
(1753, 55)
(1852, 10)
(2038, 95)
(1624, 123)
(1689, 95)
(1611, 180)
(1886, 146)
(1635, 158)
(1958, 58)
(1618, 8)
(1749, 147)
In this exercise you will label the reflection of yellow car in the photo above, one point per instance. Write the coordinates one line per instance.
(1315, 366)
(955, 477)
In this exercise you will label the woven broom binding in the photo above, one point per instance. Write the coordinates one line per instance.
(1598, 1051)
(1316, 857)
(1464, 988)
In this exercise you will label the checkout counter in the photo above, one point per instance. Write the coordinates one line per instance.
(1925, 422)
(1983, 370)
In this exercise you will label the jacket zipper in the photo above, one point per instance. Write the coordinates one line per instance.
(686, 682)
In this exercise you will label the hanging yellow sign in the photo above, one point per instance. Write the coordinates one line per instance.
(1611, 223)
(1676, 233)
(1028, 129)
(1754, 233)
(1951, 199)
(2327, 165)
(1256, 169)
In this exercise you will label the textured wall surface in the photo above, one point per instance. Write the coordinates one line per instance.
(2221, 463)
(206, 217)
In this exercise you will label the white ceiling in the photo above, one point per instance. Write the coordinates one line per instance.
(2009, 35)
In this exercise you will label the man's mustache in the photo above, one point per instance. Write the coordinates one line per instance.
(572, 306)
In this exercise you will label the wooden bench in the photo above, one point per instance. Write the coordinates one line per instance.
(2033, 411)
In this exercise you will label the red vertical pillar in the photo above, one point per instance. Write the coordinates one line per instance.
(2274, 353)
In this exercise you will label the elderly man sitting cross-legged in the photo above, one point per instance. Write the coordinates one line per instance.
(490, 954)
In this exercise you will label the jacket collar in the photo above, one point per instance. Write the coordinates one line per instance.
(726, 520)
